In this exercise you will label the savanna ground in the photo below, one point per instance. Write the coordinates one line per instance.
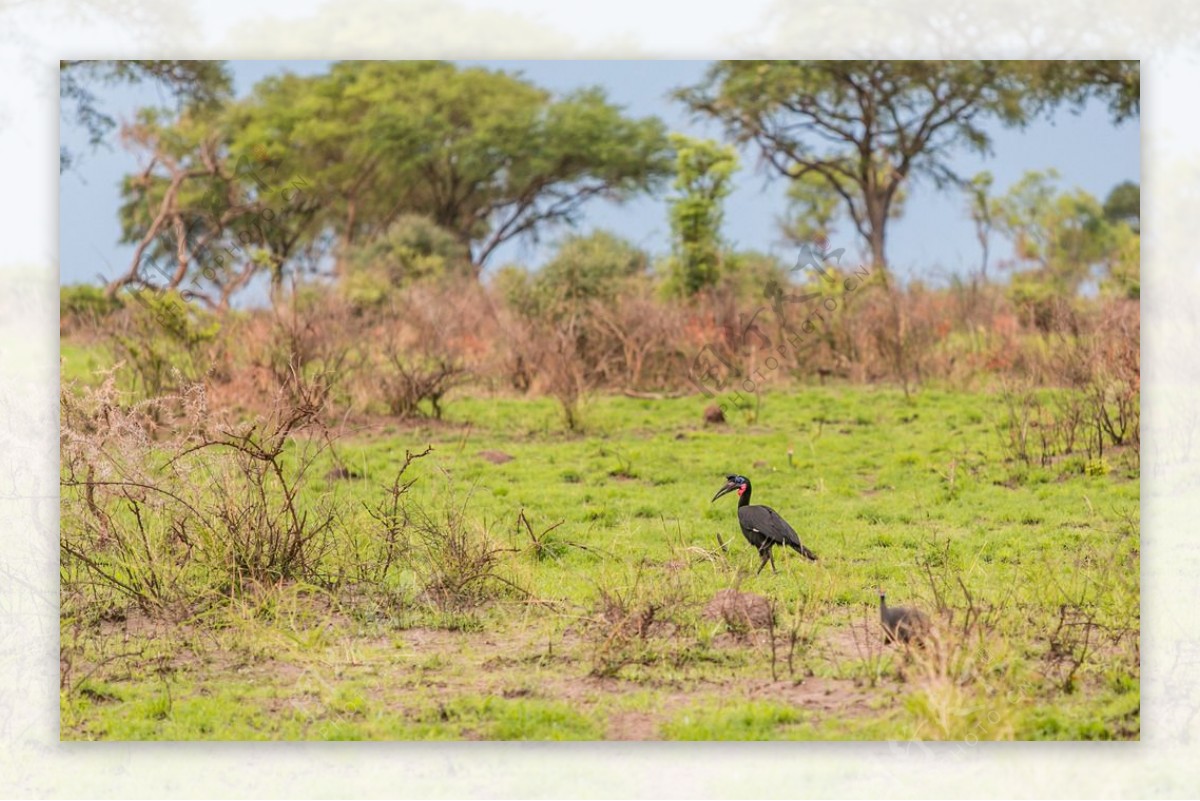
(520, 581)
(329, 471)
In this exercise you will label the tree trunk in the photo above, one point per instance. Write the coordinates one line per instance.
(877, 202)
(878, 255)
(876, 238)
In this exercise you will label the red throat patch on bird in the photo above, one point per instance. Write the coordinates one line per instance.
(741, 490)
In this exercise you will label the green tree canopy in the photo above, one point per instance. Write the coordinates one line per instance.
(861, 129)
(1062, 238)
(484, 155)
(703, 171)
(1124, 204)
(413, 248)
(812, 211)
(1118, 84)
(592, 266)
(205, 223)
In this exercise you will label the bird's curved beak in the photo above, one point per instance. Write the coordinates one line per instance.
(723, 490)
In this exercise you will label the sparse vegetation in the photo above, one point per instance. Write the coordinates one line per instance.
(584, 605)
(407, 496)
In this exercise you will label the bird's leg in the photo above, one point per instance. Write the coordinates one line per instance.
(765, 556)
(771, 556)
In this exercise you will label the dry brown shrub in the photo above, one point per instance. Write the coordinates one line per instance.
(740, 611)
(629, 619)
(407, 356)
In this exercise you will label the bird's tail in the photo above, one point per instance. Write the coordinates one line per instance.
(804, 551)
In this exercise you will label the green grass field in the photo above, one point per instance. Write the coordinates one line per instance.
(591, 623)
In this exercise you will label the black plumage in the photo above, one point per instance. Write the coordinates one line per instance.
(762, 525)
(902, 623)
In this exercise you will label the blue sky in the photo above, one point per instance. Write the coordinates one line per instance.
(932, 241)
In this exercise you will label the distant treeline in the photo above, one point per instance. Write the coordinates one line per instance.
(380, 174)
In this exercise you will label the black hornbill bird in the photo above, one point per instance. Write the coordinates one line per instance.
(762, 525)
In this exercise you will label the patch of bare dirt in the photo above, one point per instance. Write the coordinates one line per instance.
(815, 693)
(401, 669)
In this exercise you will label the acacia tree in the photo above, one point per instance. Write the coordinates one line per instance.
(327, 128)
(1116, 83)
(703, 170)
(861, 129)
(202, 222)
(482, 153)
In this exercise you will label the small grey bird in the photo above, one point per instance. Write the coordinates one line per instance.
(903, 623)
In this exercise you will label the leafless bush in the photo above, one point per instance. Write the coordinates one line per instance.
(548, 544)
(449, 562)
(1096, 615)
(1116, 378)
(647, 351)
(118, 537)
(203, 509)
(264, 531)
(965, 664)
(1022, 413)
(628, 619)
(308, 348)
(412, 381)
(423, 345)
(797, 634)
(387, 540)
(565, 373)
(1071, 642)
(457, 564)
(1069, 415)
(1102, 362)
(904, 327)
(1042, 425)
(963, 640)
